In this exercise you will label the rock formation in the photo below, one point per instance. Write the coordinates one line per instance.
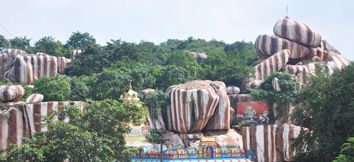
(270, 142)
(296, 49)
(198, 105)
(198, 56)
(34, 98)
(19, 120)
(19, 66)
(9, 93)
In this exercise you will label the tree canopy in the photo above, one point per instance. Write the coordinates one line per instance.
(22, 43)
(80, 40)
(326, 108)
(4, 43)
(50, 46)
(95, 135)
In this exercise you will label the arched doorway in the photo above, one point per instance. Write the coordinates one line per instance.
(209, 152)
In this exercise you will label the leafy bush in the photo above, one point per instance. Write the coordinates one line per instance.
(113, 82)
(28, 91)
(171, 75)
(284, 96)
(95, 135)
(80, 87)
(326, 108)
(347, 152)
(154, 136)
(53, 89)
(156, 102)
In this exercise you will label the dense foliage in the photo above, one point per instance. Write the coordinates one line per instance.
(93, 135)
(154, 135)
(230, 63)
(155, 101)
(53, 89)
(102, 73)
(326, 108)
(50, 46)
(347, 152)
(282, 98)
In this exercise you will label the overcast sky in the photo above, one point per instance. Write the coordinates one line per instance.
(159, 20)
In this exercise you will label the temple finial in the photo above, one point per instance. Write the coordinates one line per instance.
(130, 84)
(287, 10)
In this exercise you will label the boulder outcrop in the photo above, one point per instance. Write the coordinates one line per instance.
(198, 105)
(270, 142)
(10, 93)
(19, 66)
(295, 48)
(19, 120)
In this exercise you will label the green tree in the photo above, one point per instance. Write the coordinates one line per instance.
(4, 43)
(120, 50)
(171, 75)
(347, 152)
(53, 89)
(154, 135)
(21, 43)
(92, 60)
(80, 40)
(50, 46)
(232, 67)
(282, 98)
(97, 134)
(326, 108)
(95, 58)
(26, 151)
(153, 54)
(156, 102)
(114, 81)
(80, 87)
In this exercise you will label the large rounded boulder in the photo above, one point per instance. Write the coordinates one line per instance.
(198, 105)
(10, 93)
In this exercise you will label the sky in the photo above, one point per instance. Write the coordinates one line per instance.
(159, 20)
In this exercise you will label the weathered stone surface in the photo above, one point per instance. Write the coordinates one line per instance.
(190, 138)
(320, 53)
(9, 93)
(306, 50)
(20, 120)
(12, 127)
(328, 47)
(301, 73)
(172, 140)
(13, 51)
(232, 90)
(35, 98)
(6, 63)
(271, 64)
(199, 56)
(156, 123)
(297, 32)
(338, 59)
(147, 91)
(25, 68)
(275, 84)
(270, 142)
(227, 139)
(268, 45)
(198, 105)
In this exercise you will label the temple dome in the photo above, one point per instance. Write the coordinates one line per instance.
(131, 95)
